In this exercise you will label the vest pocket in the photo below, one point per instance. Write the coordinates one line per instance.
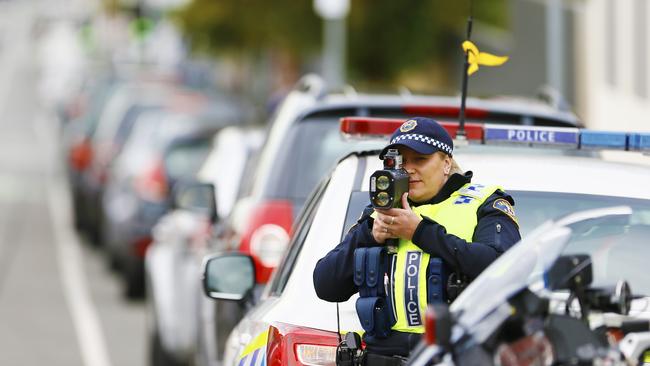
(374, 306)
(374, 315)
(437, 276)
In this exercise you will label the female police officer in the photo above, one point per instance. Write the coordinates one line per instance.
(445, 218)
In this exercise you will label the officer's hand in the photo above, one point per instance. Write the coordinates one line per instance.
(380, 231)
(400, 222)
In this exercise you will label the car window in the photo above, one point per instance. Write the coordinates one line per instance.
(618, 249)
(284, 270)
(311, 149)
(358, 201)
(185, 159)
(533, 208)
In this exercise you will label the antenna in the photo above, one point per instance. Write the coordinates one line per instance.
(460, 135)
(338, 323)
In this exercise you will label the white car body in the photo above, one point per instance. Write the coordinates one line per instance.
(514, 168)
(173, 263)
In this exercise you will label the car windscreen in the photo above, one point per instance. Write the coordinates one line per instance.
(533, 208)
(310, 151)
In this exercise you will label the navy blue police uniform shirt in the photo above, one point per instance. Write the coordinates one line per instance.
(496, 231)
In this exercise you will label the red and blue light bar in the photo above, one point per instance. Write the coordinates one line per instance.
(494, 134)
(370, 126)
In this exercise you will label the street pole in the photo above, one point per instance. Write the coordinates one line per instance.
(555, 45)
(334, 14)
(334, 55)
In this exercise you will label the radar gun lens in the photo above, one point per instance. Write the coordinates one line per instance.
(382, 183)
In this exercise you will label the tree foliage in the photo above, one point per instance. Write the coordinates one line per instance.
(385, 37)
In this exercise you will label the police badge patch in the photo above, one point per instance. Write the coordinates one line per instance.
(408, 125)
(504, 206)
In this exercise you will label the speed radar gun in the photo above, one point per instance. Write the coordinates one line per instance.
(388, 185)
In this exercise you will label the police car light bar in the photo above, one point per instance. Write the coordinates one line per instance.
(495, 134)
(371, 126)
(639, 141)
(529, 135)
(566, 138)
(603, 140)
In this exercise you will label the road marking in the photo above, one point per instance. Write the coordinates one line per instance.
(88, 327)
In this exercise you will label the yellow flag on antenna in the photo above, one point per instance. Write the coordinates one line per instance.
(475, 58)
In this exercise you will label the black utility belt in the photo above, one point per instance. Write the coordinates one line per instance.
(371, 359)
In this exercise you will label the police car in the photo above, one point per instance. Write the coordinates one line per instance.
(549, 172)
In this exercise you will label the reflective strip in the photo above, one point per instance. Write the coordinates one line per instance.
(478, 191)
(410, 295)
(254, 347)
(411, 280)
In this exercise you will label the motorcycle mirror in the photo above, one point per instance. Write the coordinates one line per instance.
(570, 272)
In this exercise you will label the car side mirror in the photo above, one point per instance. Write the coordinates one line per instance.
(196, 197)
(229, 276)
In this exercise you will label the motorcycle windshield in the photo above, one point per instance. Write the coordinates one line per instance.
(515, 270)
(615, 239)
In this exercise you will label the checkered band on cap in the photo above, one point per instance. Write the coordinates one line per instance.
(428, 140)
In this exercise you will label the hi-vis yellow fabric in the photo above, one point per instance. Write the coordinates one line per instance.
(458, 215)
(475, 58)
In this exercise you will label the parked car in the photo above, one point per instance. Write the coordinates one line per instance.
(173, 261)
(574, 291)
(164, 147)
(104, 138)
(545, 183)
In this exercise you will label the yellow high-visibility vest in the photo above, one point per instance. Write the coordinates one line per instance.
(458, 215)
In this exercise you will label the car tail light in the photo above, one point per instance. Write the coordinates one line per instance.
(141, 245)
(293, 345)
(386, 126)
(151, 185)
(267, 235)
(81, 155)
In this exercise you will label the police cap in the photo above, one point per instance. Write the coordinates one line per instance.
(424, 135)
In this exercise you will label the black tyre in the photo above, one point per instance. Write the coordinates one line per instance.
(134, 283)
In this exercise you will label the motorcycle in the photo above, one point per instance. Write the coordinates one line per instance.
(562, 296)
